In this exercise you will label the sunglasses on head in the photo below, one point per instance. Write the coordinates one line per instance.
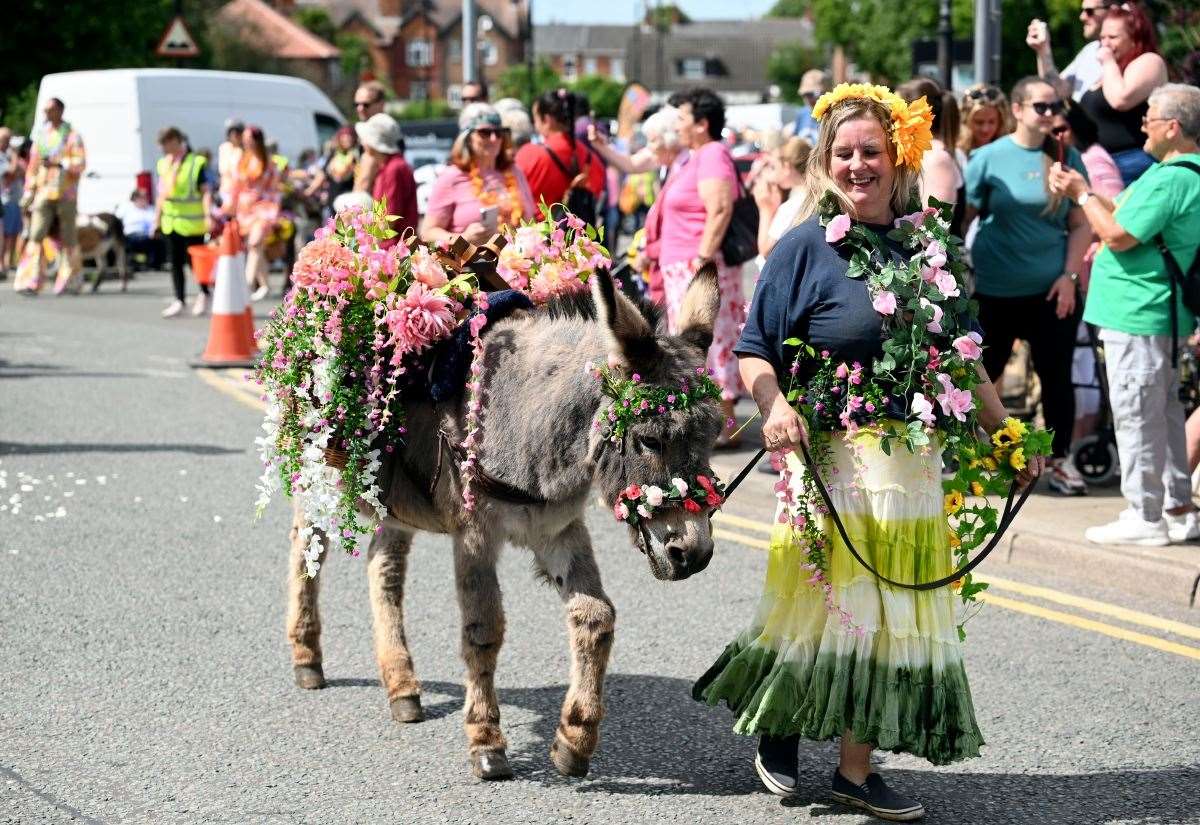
(986, 93)
(1054, 107)
(471, 99)
(488, 132)
(1091, 11)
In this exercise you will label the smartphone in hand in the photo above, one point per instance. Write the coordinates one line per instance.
(489, 216)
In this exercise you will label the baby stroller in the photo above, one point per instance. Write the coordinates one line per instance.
(1095, 455)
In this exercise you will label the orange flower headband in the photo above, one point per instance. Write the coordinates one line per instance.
(912, 123)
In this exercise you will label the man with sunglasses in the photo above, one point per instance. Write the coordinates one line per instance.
(1129, 299)
(370, 99)
(474, 91)
(1085, 70)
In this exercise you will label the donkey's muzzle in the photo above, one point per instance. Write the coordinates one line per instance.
(687, 560)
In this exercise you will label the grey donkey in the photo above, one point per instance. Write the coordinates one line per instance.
(538, 438)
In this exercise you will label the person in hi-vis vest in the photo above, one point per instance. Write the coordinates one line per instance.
(182, 211)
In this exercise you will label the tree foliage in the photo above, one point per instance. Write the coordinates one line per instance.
(788, 63)
(515, 82)
(790, 8)
(603, 93)
(317, 21)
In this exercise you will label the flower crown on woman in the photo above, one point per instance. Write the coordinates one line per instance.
(912, 123)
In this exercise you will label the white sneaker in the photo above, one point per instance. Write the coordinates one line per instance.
(1064, 479)
(260, 293)
(200, 305)
(174, 309)
(1130, 528)
(1182, 528)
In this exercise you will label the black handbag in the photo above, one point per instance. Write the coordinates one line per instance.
(740, 243)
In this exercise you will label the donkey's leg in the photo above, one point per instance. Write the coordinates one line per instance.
(482, 635)
(387, 562)
(303, 615)
(570, 565)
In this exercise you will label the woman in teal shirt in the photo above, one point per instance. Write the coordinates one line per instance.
(1027, 255)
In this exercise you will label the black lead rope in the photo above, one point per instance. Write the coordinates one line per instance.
(1011, 509)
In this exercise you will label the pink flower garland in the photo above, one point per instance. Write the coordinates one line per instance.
(469, 468)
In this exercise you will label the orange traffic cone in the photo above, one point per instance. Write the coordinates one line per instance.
(231, 334)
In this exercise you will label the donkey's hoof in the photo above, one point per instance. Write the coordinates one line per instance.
(568, 762)
(309, 677)
(491, 765)
(407, 709)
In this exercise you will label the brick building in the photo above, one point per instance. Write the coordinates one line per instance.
(416, 45)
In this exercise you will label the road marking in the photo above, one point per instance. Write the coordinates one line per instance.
(1093, 625)
(758, 544)
(1102, 608)
(740, 521)
(1071, 619)
(224, 385)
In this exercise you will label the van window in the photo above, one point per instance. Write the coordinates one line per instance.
(326, 127)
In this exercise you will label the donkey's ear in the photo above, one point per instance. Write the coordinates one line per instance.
(698, 312)
(630, 339)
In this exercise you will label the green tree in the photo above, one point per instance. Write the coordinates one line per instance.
(356, 54)
(790, 8)
(515, 82)
(317, 21)
(788, 63)
(603, 93)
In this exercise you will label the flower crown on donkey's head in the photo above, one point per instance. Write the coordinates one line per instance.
(912, 123)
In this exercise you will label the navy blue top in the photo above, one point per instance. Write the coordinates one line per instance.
(803, 292)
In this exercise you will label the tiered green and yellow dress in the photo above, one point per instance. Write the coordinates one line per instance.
(895, 676)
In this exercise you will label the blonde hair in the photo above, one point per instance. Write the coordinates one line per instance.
(970, 105)
(817, 179)
(794, 152)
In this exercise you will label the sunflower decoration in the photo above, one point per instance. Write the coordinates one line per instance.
(912, 123)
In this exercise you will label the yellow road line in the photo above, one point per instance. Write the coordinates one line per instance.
(758, 544)
(1093, 625)
(224, 385)
(1057, 615)
(739, 521)
(1102, 608)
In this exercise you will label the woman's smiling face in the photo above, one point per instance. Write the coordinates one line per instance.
(985, 125)
(860, 165)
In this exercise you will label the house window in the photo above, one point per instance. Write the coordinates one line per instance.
(616, 68)
(454, 96)
(590, 66)
(692, 68)
(488, 53)
(454, 50)
(418, 90)
(570, 72)
(419, 53)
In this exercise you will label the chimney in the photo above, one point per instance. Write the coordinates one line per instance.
(391, 8)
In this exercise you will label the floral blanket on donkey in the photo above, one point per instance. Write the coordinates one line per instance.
(365, 329)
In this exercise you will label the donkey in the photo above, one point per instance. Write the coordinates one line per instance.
(538, 439)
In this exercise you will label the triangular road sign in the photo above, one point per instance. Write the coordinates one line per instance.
(177, 41)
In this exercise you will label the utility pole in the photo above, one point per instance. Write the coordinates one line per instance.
(529, 59)
(469, 47)
(945, 50)
(987, 41)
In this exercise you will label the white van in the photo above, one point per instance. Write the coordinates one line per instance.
(118, 113)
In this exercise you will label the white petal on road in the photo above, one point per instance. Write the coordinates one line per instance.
(81, 481)
(101, 479)
(217, 519)
(183, 498)
(137, 499)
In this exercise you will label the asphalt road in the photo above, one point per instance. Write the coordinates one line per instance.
(145, 677)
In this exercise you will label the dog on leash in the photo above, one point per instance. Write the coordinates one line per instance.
(101, 236)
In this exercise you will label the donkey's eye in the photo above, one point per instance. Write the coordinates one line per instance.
(649, 443)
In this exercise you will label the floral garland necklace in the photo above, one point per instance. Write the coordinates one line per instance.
(921, 386)
(510, 204)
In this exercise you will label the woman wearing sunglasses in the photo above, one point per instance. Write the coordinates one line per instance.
(1027, 255)
(482, 189)
(1132, 69)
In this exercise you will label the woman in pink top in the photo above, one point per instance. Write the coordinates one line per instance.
(481, 190)
(696, 206)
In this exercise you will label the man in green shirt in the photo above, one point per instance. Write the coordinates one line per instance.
(1129, 299)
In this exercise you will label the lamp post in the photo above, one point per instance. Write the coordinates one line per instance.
(945, 50)
(468, 41)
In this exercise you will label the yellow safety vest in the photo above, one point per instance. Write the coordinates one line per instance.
(183, 209)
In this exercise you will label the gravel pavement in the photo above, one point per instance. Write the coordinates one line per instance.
(145, 677)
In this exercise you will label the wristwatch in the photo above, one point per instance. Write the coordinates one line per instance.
(1074, 276)
(1083, 198)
